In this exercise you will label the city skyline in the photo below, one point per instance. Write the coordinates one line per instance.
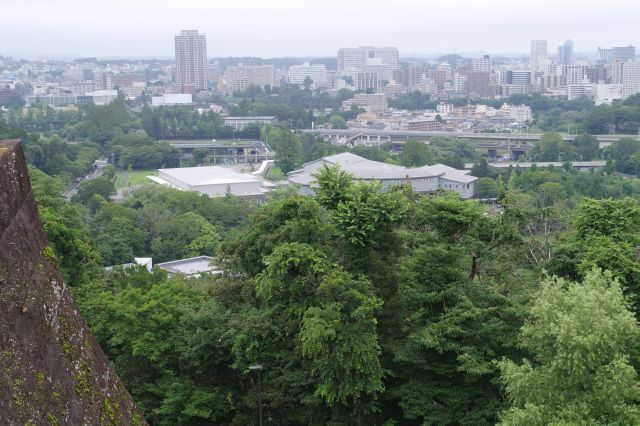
(277, 29)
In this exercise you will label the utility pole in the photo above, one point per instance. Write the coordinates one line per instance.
(257, 368)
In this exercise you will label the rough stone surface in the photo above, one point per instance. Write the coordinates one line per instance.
(52, 370)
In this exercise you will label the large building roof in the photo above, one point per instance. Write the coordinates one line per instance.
(362, 168)
(211, 175)
(193, 266)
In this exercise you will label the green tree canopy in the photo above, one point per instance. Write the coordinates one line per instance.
(415, 154)
(101, 185)
(581, 336)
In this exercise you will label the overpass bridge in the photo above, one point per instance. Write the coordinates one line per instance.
(376, 137)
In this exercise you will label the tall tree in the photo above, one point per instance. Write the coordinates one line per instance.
(587, 147)
(581, 336)
(415, 154)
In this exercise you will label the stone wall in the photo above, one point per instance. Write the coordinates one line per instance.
(52, 370)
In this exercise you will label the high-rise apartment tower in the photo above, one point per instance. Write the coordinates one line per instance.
(191, 59)
(538, 55)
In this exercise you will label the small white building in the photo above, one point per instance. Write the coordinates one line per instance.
(607, 93)
(103, 97)
(172, 99)
(239, 123)
(192, 267)
(213, 181)
(317, 73)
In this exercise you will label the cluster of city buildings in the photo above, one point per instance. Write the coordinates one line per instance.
(610, 74)
(445, 117)
(375, 75)
(614, 73)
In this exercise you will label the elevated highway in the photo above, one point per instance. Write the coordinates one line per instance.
(375, 137)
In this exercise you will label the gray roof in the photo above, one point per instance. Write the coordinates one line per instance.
(191, 266)
(362, 168)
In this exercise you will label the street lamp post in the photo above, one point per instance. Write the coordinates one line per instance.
(257, 368)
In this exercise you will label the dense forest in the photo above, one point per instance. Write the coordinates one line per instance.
(362, 306)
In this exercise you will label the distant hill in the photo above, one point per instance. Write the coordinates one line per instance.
(451, 59)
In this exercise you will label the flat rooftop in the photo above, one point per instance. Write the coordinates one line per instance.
(208, 175)
(191, 266)
(265, 117)
(214, 143)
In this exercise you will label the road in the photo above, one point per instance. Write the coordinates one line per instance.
(72, 189)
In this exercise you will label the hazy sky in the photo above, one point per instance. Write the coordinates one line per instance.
(268, 28)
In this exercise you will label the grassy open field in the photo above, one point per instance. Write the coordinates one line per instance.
(126, 178)
(275, 174)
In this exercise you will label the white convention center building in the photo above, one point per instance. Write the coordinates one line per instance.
(426, 179)
(213, 181)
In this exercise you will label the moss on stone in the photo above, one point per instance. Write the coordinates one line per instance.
(53, 420)
(136, 420)
(67, 347)
(49, 254)
(83, 381)
(109, 412)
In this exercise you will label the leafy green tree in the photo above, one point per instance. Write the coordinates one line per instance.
(185, 235)
(101, 185)
(339, 337)
(581, 336)
(120, 241)
(287, 147)
(412, 101)
(622, 153)
(481, 169)
(452, 329)
(605, 236)
(368, 214)
(200, 154)
(487, 188)
(551, 147)
(371, 153)
(104, 120)
(587, 147)
(167, 342)
(270, 333)
(292, 219)
(307, 83)
(67, 233)
(314, 148)
(337, 122)
(415, 154)
(334, 186)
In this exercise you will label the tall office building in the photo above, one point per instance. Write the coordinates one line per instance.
(617, 54)
(316, 72)
(575, 74)
(191, 59)
(241, 77)
(565, 53)
(538, 55)
(483, 64)
(357, 58)
(623, 54)
(630, 78)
